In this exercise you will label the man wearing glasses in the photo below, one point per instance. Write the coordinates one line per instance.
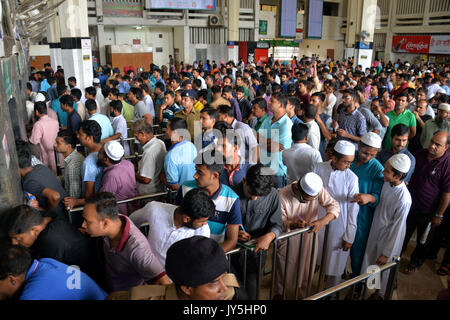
(300, 201)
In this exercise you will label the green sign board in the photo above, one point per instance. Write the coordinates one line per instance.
(283, 43)
(262, 26)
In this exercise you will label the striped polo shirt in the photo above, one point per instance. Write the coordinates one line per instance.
(228, 209)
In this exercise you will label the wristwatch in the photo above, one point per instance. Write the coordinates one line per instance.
(440, 217)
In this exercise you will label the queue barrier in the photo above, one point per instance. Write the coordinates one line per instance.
(362, 279)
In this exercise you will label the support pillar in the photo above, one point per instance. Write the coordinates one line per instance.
(75, 42)
(101, 43)
(233, 28)
(54, 41)
(366, 34)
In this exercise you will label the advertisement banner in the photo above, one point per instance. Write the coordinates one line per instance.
(411, 44)
(181, 4)
(440, 44)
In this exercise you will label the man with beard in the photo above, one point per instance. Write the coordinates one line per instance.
(440, 123)
(370, 178)
(399, 137)
(119, 124)
(168, 223)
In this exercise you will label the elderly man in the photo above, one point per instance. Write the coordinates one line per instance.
(370, 177)
(299, 207)
(430, 191)
(342, 184)
(440, 123)
(118, 174)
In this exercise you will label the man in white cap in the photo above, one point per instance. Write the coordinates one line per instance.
(118, 174)
(389, 222)
(439, 123)
(342, 184)
(99, 95)
(370, 177)
(300, 201)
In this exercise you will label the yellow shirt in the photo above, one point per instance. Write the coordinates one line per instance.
(198, 106)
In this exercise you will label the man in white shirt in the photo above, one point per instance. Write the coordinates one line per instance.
(119, 125)
(168, 223)
(99, 95)
(196, 75)
(301, 157)
(309, 114)
(152, 162)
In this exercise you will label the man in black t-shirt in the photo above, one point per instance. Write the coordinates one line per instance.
(40, 182)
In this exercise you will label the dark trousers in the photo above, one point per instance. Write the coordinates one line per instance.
(237, 265)
(419, 220)
(442, 235)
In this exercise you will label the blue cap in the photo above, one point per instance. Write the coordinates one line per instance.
(189, 93)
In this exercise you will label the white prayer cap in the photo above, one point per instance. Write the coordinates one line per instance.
(400, 162)
(114, 150)
(39, 98)
(407, 64)
(344, 147)
(311, 184)
(372, 140)
(444, 107)
(96, 80)
(329, 77)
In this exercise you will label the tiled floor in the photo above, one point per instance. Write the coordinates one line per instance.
(422, 285)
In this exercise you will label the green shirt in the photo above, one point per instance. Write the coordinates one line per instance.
(406, 117)
(128, 111)
(428, 131)
(261, 121)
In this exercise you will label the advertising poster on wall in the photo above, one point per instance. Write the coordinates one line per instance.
(411, 44)
(440, 44)
(181, 4)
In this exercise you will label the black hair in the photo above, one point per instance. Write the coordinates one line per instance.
(116, 105)
(23, 154)
(291, 88)
(69, 137)
(197, 204)
(320, 95)
(40, 107)
(276, 87)
(67, 100)
(14, 259)
(202, 94)
(240, 89)
(398, 173)
(216, 89)
(91, 90)
(210, 161)
(61, 89)
(299, 131)
(227, 89)
(197, 82)
(138, 92)
(402, 94)
(309, 111)
(224, 109)
(227, 131)
(281, 98)
(29, 86)
(76, 93)
(177, 123)
(261, 103)
(105, 205)
(399, 129)
(21, 219)
(92, 129)
(212, 113)
(259, 184)
(91, 105)
(169, 92)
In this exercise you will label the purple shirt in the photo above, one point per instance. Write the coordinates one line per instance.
(428, 181)
(132, 263)
(120, 180)
(237, 111)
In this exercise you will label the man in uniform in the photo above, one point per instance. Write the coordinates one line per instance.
(198, 268)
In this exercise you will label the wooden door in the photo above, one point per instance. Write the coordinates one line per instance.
(330, 53)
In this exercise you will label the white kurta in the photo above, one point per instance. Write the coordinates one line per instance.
(388, 227)
(342, 186)
(300, 159)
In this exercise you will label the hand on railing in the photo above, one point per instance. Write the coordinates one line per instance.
(69, 202)
(263, 242)
(382, 260)
(243, 236)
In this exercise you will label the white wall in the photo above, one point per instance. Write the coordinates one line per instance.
(331, 28)
(39, 50)
(270, 17)
(178, 34)
(215, 52)
(319, 47)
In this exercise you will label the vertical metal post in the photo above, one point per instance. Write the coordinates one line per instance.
(364, 290)
(311, 266)
(258, 281)
(322, 261)
(285, 267)
(299, 266)
(245, 268)
(391, 280)
(274, 256)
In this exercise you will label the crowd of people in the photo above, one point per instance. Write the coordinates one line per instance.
(246, 153)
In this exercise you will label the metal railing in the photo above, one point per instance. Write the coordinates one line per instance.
(362, 280)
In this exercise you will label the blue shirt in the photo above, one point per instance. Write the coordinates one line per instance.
(62, 116)
(283, 127)
(103, 79)
(44, 85)
(123, 87)
(105, 124)
(73, 121)
(228, 209)
(179, 162)
(49, 279)
(162, 81)
(385, 154)
(235, 176)
(90, 171)
(169, 112)
(295, 120)
(52, 92)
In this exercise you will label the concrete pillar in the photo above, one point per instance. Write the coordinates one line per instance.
(233, 28)
(256, 13)
(366, 34)
(54, 41)
(101, 43)
(388, 55)
(75, 42)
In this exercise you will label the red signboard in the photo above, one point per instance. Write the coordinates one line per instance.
(411, 44)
